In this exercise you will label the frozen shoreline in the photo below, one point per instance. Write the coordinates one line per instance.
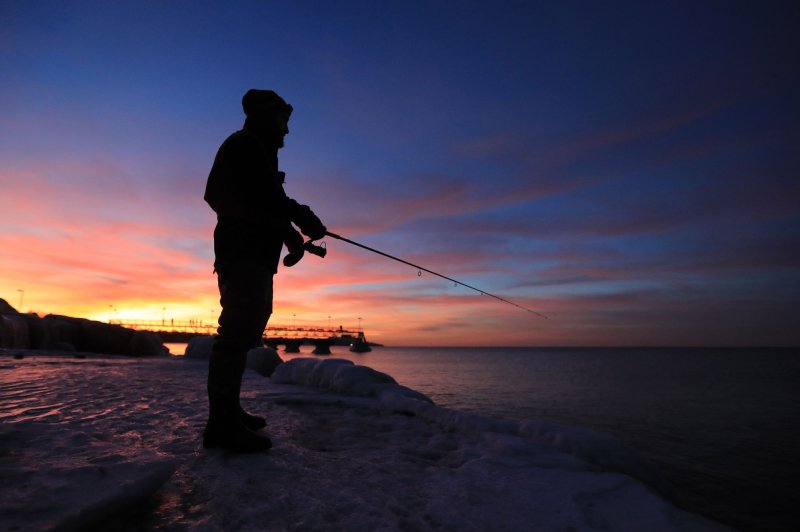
(370, 456)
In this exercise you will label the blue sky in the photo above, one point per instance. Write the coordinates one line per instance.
(628, 168)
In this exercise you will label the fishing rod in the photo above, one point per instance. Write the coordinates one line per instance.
(420, 268)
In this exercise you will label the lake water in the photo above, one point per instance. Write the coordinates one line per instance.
(721, 425)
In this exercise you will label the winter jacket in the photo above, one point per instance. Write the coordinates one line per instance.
(245, 189)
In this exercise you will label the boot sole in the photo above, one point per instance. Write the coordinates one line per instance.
(217, 443)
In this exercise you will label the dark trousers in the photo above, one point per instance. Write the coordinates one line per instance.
(245, 289)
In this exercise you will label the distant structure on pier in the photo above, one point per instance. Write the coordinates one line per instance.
(287, 335)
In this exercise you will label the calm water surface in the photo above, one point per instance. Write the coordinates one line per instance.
(722, 425)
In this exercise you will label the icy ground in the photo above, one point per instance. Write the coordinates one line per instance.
(83, 440)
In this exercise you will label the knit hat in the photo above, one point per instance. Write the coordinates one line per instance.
(256, 100)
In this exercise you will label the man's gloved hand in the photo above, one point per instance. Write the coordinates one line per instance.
(308, 223)
(293, 240)
(294, 243)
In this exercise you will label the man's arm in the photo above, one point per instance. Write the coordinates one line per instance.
(308, 222)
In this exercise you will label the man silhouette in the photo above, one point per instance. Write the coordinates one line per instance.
(254, 221)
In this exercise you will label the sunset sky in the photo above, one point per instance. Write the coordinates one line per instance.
(630, 169)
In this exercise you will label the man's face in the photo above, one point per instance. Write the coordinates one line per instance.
(281, 126)
(274, 124)
(277, 125)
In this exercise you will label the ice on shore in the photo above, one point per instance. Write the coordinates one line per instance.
(353, 450)
(55, 478)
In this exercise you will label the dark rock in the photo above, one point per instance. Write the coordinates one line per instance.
(145, 344)
(62, 330)
(14, 332)
(63, 346)
(5, 308)
(200, 347)
(65, 333)
(38, 333)
(98, 337)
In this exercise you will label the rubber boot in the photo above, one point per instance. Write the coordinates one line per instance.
(231, 434)
(225, 428)
(251, 421)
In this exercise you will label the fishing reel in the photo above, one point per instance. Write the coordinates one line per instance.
(293, 258)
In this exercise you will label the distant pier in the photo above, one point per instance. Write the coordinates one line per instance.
(290, 336)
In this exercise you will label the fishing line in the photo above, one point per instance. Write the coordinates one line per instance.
(420, 269)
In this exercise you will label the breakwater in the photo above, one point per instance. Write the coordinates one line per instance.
(65, 333)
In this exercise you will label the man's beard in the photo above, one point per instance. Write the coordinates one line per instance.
(268, 134)
(274, 139)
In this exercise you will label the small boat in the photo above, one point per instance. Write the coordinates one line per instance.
(360, 344)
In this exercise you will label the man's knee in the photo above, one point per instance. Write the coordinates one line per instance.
(246, 298)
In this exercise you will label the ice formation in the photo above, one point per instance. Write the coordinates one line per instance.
(353, 450)
(56, 478)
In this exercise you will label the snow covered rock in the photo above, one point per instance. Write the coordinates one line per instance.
(342, 377)
(263, 360)
(577, 448)
(433, 468)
